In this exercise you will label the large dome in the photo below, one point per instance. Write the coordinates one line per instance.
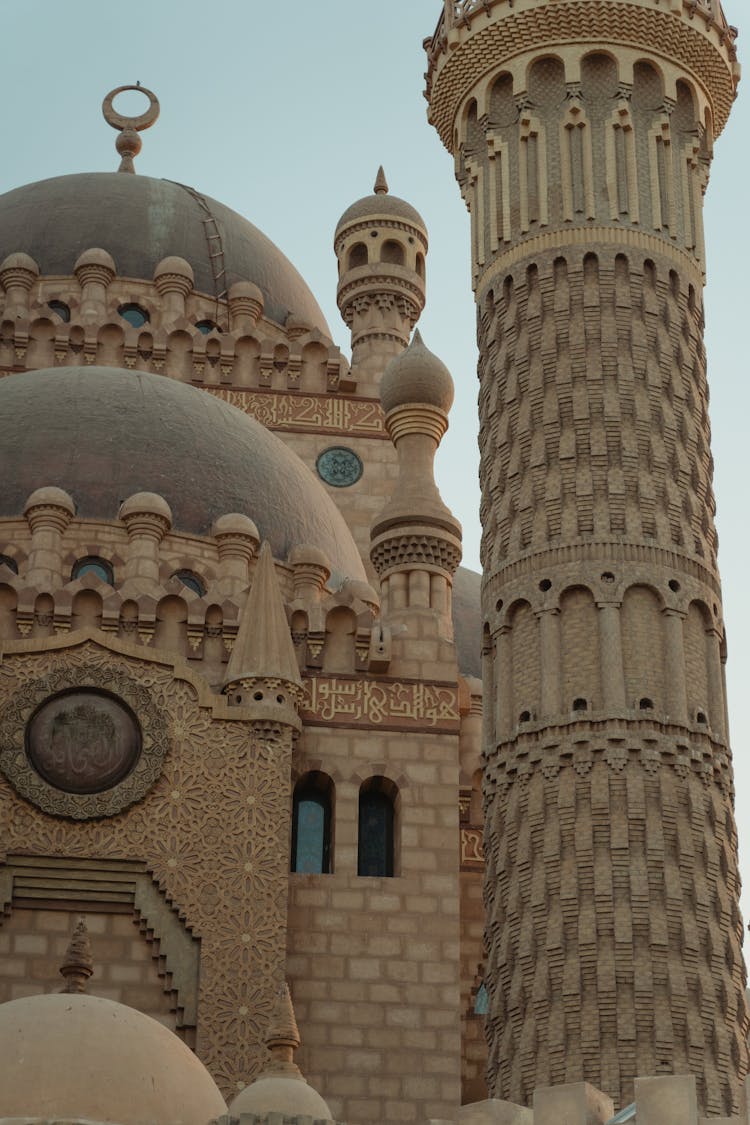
(81, 1058)
(139, 221)
(102, 434)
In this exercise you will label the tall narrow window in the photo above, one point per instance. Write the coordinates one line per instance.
(376, 825)
(311, 825)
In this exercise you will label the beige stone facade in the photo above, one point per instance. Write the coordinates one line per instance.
(242, 725)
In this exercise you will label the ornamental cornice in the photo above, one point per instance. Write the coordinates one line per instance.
(688, 37)
(611, 239)
(593, 553)
(367, 225)
(621, 745)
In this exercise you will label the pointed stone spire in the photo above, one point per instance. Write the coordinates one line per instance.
(77, 964)
(263, 648)
(381, 184)
(283, 1037)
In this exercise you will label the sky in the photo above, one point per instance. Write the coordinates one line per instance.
(283, 111)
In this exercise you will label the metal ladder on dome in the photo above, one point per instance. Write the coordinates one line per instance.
(215, 249)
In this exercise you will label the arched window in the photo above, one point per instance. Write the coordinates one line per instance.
(392, 252)
(376, 827)
(357, 255)
(481, 1001)
(191, 581)
(312, 820)
(6, 560)
(134, 314)
(92, 564)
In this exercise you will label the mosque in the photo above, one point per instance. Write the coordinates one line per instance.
(300, 820)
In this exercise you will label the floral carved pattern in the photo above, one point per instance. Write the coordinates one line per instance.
(212, 830)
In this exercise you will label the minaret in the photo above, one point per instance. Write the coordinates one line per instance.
(583, 133)
(381, 245)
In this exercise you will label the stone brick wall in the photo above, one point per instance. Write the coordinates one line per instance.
(374, 962)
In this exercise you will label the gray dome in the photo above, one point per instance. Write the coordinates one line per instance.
(102, 433)
(467, 621)
(139, 221)
(381, 205)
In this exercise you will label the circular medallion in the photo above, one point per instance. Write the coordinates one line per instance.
(83, 741)
(339, 467)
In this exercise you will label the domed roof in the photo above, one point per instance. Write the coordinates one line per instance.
(277, 1093)
(416, 375)
(467, 621)
(79, 1058)
(380, 205)
(102, 433)
(139, 221)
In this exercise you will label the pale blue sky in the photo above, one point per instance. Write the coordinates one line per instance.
(283, 110)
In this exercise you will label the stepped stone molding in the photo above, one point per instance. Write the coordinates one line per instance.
(29, 880)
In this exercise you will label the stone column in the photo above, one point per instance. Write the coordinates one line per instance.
(48, 512)
(504, 720)
(675, 687)
(610, 656)
(551, 668)
(147, 518)
(716, 709)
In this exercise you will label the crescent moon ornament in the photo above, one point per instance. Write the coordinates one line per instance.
(128, 144)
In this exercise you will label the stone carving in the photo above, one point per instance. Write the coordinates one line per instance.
(326, 413)
(380, 702)
(83, 741)
(339, 467)
(472, 849)
(213, 831)
(70, 742)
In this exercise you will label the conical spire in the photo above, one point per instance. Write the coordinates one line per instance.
(283, 1037)
(381, 184)
(77, 964)
(263, 648)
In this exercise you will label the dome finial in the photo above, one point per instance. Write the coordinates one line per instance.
(77, 964)
(381, 184)
(282, 1038)
(128, 144)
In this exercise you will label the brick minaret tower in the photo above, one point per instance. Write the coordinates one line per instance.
(582, 132)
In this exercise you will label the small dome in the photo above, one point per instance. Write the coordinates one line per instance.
(279, 1093)
(103, 434)
(417, 375)
(79, 1058)
(139, 221)
(145, 503)
(50, 497)
(381, 205)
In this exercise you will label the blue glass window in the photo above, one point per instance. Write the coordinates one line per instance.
(206, 326)
(93, 565)
(62, 310)
(375, 840)
(6, 560)
(482, 1001)
(311, 825)
(134, 315)
(192, 581)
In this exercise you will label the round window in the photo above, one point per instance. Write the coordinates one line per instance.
(83, 741)
(339, 467)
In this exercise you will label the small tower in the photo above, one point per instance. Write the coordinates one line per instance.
(381, 244)
(416, 540)
(582, 135)
(77, 964)
(263, 674)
